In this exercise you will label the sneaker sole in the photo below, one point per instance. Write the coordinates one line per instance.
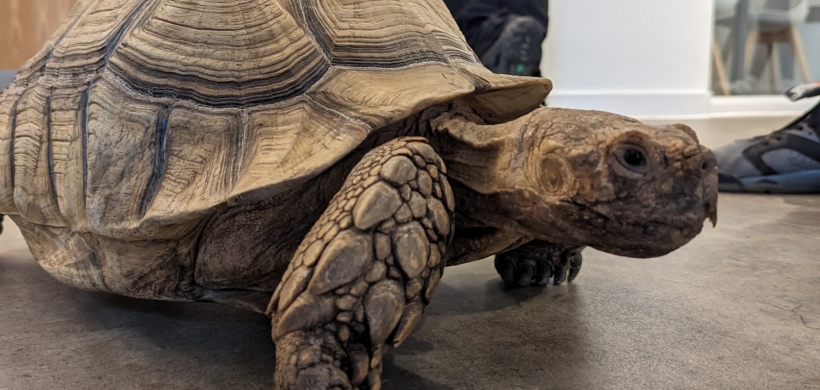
(787, 183)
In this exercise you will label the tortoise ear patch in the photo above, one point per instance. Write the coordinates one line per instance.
(556, 176)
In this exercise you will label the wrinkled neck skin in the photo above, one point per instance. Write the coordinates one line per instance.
(487, 165)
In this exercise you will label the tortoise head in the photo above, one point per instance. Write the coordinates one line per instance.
(596, 179)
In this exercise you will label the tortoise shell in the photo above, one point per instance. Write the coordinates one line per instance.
(140, 117)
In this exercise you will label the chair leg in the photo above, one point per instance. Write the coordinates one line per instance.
(800, 54)
(775, 58)
(726, 50)
(719, 67)
(751, 44)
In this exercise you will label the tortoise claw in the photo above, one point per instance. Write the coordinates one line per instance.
(544, 273)
(568, 266)
(575, 261)
(560, 273)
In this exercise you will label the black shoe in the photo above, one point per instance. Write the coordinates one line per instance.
(517, 51)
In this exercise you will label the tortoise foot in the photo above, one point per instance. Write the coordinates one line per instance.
(365, 271)
(343, 353)
(534, 263)
(311, 360)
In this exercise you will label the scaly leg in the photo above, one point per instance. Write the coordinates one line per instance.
(364, 273)
(535, 262)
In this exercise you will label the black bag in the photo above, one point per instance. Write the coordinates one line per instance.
(506, 35)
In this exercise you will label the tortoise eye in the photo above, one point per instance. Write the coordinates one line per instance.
(632, 160)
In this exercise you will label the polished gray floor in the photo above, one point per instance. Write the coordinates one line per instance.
(738, 308)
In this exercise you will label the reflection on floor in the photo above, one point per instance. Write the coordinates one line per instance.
(737, 308)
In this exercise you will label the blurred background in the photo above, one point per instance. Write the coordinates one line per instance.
(682, 58)
(645, 58)
(25, 25)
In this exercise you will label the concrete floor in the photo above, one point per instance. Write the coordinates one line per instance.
(738, 308)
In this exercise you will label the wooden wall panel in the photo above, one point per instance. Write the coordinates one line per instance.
(25, 25)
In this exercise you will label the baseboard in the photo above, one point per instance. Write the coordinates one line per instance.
(755, 106)
(674, 105)
(637, 103)
(5, 77)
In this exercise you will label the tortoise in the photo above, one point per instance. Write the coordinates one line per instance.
(320, 162)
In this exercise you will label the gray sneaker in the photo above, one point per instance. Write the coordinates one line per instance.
(785, 161)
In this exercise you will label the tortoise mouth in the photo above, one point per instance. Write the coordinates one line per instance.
(645, 238)
(651, 238)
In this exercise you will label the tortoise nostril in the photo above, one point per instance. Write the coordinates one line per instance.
(707, 164)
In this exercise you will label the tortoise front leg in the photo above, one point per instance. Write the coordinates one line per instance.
(364, 273)
(535, 262)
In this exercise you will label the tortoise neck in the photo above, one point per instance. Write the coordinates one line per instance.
(479, 163)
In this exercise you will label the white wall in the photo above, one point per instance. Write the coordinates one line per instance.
(634, 57)
(810, 35)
